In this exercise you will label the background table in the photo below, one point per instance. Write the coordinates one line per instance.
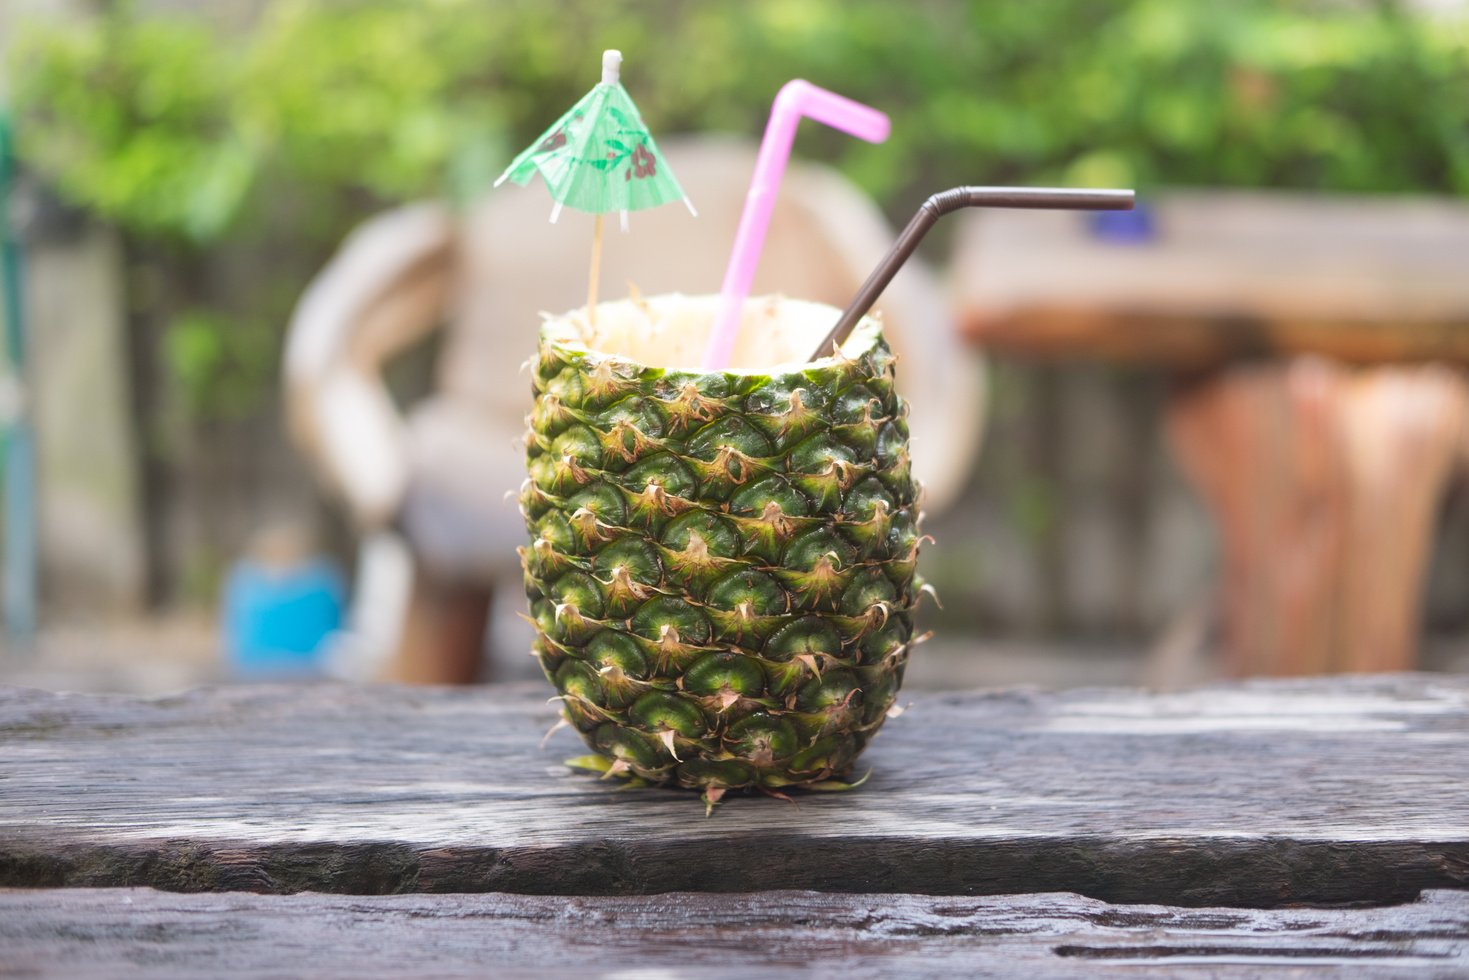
(1208, 830)
(1316, 345)
(1227, 275)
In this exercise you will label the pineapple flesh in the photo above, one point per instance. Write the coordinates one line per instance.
(721, 569)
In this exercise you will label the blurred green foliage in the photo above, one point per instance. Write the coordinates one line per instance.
(166, 125)
(181, 131)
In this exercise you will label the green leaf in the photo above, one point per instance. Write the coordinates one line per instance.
(589, 763)
(836, 785)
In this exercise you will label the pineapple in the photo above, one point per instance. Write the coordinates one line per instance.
(721, 567)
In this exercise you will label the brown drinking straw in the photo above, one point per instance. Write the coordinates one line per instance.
(1039, 198)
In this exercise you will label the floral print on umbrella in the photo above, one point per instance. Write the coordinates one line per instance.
(644, 164)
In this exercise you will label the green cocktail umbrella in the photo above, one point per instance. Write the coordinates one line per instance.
(599, 158)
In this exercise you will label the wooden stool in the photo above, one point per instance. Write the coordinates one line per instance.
(1325, 484)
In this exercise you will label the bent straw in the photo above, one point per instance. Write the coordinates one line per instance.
(796, 98)
(1036, 198)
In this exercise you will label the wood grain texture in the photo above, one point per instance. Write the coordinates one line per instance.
(141, 932)
(1260, 794)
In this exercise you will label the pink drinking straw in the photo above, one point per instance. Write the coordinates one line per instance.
(796, 98)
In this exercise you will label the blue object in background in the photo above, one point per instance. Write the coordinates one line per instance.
(1124, 227)
(277, 619)
(17, 453)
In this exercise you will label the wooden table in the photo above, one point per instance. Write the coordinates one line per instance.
(1228, 275)
(384, 831)
(1321, 409)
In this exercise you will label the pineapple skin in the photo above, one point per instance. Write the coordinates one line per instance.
(721, 571)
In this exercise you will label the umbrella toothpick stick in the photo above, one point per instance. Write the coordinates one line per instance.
(595, 271)
(1035, 198)
(611, 75)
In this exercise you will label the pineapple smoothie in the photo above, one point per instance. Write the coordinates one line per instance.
(722, 564)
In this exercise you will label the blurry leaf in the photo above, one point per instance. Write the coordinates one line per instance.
(222, 365)
(220, 191)
(194, 349)
(1032, 507)
(1102, 168)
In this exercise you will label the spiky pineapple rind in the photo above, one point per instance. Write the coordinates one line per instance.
(721, 567)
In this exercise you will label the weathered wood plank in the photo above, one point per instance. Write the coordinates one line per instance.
(141, 932)
(1260, 794)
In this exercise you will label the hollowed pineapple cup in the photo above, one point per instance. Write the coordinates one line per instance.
(721, 566)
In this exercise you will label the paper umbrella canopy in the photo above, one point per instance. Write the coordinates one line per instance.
(599, 157)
